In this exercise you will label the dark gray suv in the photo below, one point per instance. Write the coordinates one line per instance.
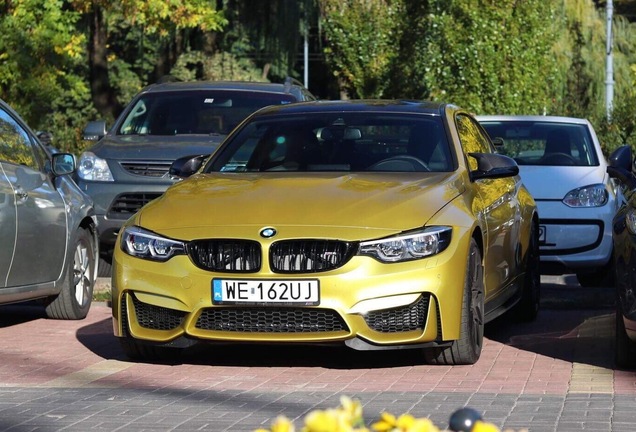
(128, 166)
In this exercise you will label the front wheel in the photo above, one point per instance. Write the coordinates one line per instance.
(76, 295)
(467, 349)
(528, 307)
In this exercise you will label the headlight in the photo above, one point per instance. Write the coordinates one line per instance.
(587, 196)
(630, 220)
(408, 246)
(141, 243)
(94, 168)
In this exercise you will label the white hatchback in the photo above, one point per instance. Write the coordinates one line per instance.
(562, 165)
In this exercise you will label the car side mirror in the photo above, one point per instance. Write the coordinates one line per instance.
(620, 165)
(63, 164)
(185, 166)
(498, 142)
(94, 130)
(492, 166)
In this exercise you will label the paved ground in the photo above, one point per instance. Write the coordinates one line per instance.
(555, 374)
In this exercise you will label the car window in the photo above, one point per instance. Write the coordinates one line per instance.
(15, 144)
(472, 139)
(337, 142)
(195, 112)
(544, 143)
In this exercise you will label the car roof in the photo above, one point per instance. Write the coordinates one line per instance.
(360, 105)
(533, 118)
(247, 86)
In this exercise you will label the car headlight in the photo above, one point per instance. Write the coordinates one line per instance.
(630, 220)
(587, 196)
(141, 243)
(93, 168)
(408, 246)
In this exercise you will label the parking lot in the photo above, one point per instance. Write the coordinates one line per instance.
(555, 374)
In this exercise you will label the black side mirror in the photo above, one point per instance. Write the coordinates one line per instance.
(94, 130)
(498, 142)
(492, 166)
(185, 166)
(620, 166)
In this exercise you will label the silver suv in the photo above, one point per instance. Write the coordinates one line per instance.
(48, 229)
(128, 166)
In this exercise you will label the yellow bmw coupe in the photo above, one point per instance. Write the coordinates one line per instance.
(375, 224)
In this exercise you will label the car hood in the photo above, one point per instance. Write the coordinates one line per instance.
(155, 147)
(351, 202)
(547, 182)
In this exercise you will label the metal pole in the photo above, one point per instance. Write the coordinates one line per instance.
(306, 57)
(609, 66)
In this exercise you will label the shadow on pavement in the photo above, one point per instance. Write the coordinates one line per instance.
(575, 324)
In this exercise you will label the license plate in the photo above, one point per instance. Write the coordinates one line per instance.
(304, 292)
(542, 234)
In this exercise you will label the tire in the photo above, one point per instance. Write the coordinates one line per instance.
(74, 300)
(105, 268)
(467, 349)
(136, 350)
(528, 307)
(624, 347)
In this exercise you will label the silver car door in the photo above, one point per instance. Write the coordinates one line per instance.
(7, 226)
(40, 246)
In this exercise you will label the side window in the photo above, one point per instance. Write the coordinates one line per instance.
(15, 145)
(472, 138)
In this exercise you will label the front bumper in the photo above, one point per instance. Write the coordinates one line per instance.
(575, 238)
(364, 304)
(116, 202)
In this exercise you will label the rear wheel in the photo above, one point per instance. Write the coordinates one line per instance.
(74, 300)
(528, 307)
(467, 349)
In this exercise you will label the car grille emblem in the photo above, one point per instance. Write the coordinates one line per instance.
(268, 232)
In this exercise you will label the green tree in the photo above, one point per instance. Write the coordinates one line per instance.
(361, 43)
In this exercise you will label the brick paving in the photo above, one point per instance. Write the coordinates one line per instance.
(555, 374)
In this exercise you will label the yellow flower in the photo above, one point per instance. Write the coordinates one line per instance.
(331, 420)
(481, 426)
(353, 408)
(281, 424)
(404, 423)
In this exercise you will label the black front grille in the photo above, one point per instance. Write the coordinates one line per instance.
(271, 320)
(400, 319)
(125, 205)
(309, 256)
(226, 255)
(146, 168)
(156, 317)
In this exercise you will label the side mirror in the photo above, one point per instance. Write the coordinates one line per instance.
(620, 166)
(492, 166)
(94, 131)
(63, 163)
(185, 166)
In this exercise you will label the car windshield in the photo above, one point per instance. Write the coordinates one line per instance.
(544, 143)
(337, 142)
(195, 112)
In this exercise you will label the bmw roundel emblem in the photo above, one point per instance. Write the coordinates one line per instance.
(268, 232)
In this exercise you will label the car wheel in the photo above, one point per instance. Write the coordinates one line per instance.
(74, 300)
(467, 349)
(528, 307)
(144, 351)
(625, 348)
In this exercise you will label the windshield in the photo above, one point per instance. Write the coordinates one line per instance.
(337, 142)
(544, 143)
(195, 112)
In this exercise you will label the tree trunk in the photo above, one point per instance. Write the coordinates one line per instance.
(103, 94)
